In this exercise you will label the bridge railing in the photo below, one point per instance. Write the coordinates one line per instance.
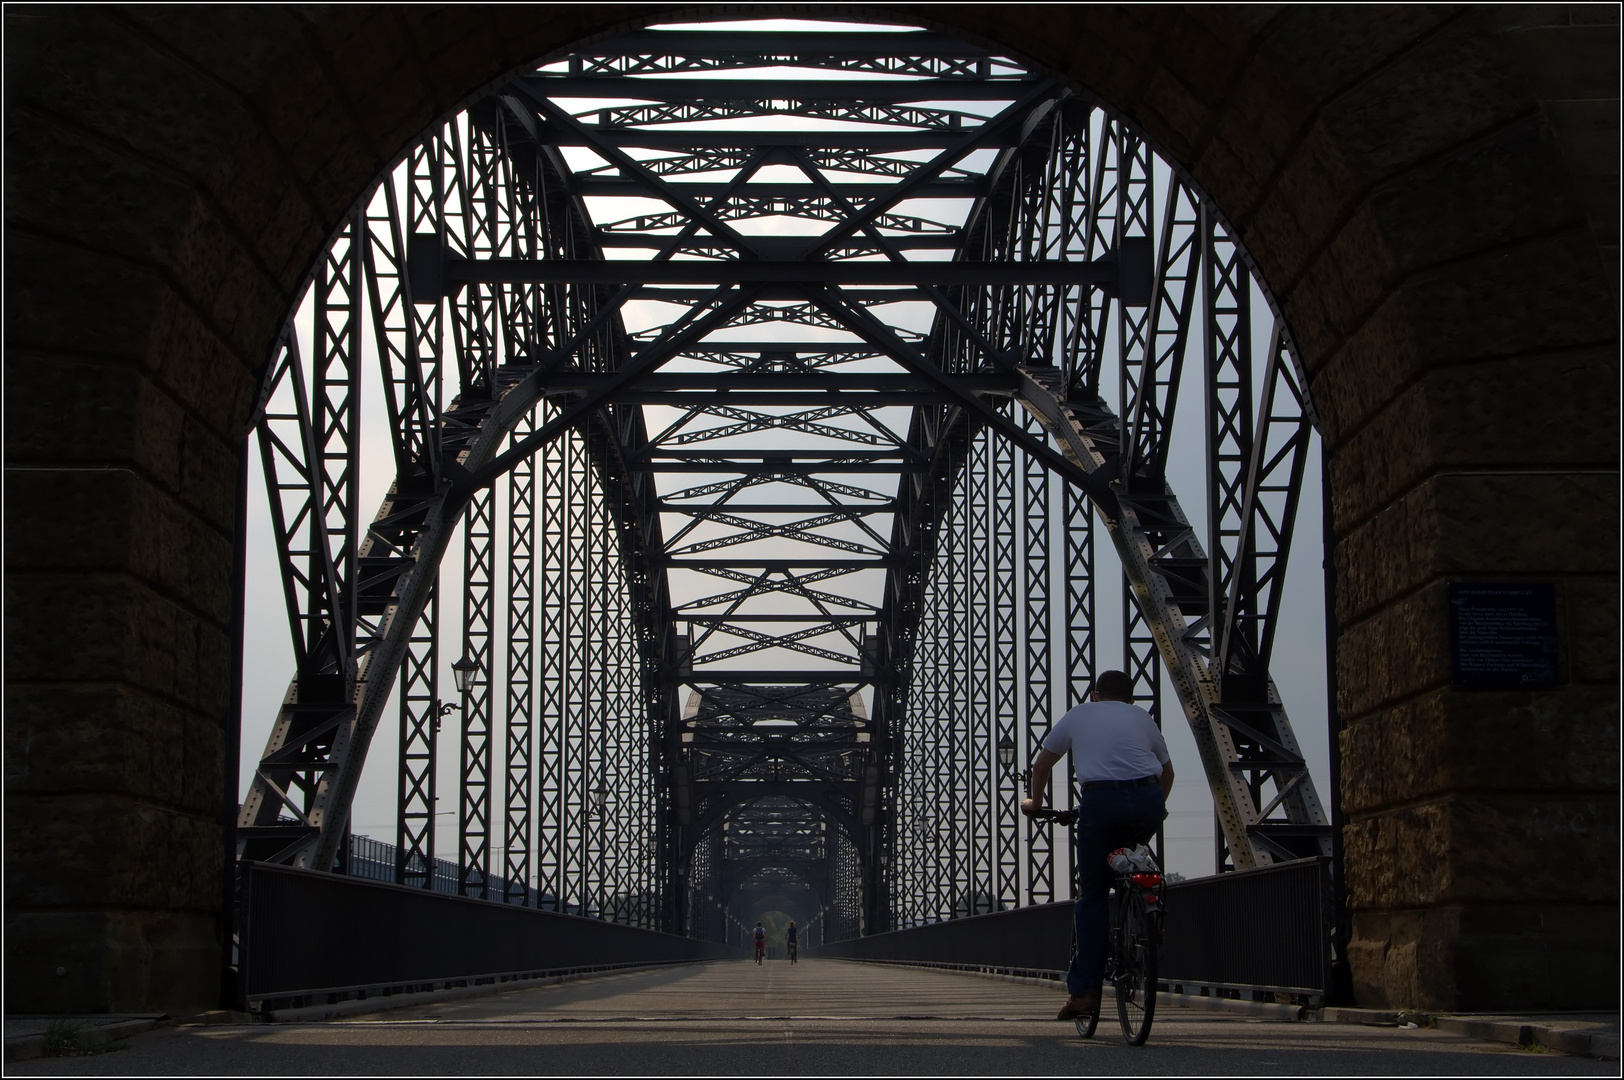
(308, 938)
(1259, 932)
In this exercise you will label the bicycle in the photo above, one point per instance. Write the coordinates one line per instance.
(761, 949)
(1137, 914)
(791, 949)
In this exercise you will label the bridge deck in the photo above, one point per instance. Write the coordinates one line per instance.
(811, 989)
(816, 1018)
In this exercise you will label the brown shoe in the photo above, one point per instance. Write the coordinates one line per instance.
(1083, 1005)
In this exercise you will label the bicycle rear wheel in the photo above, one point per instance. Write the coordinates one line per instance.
(1135, 971)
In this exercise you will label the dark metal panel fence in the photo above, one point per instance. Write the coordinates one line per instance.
(1265, 929)
(1268, 928)
(307, 934)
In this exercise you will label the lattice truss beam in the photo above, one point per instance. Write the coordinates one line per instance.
(761, 381)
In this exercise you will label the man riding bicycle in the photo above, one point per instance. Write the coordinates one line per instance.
(789, 941)
(1125, 773)
(761, 940)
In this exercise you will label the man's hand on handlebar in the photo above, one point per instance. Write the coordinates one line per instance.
(1030, 806)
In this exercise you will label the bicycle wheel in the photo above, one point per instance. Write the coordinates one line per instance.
(1135, 971)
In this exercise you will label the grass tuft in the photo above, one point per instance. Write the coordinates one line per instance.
(72, 1038)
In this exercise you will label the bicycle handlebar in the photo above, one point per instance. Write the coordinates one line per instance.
(1047, 813)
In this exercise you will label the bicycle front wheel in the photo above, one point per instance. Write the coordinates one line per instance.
(1136, 972)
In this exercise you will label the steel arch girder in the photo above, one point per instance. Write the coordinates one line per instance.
(1214, 726)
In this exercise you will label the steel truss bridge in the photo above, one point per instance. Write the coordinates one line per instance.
(758, 402)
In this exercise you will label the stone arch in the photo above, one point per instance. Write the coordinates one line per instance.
(1430, 194)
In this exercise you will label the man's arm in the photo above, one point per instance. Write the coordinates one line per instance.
(1167, 778)
(1042, 766)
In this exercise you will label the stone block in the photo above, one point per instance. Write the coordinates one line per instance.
(218, 276)
(1566, 62)
(111, 738)
(115, 519)
(255, 182)
(1475, 523)
(101, 849)
(1405, 959)
(215, 380)
(111, 627)
(1508, 186)
(1564, 739)
(1509, 414)
(85, 189)
(175, 118)
(1476, 309)
(1591, 628)
(67, 962)
(96, 423)
(1258, 128)
(209, 469)
(1447, 88)
(66, 411)
(1177, 111)
(1349, 275)
(1397, 652)
(304, 116)
(1588, 133)
(1326, 49)
(66, 298)
(1313, 193)
(1482, 848)
(242, 53)
(1496, 958)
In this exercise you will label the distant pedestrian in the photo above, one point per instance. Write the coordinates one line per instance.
(789, 940)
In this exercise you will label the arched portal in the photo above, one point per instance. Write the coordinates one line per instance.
(1382, 205)
(810, 314)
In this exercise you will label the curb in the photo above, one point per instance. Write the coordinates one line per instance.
(28, 1047)
(1596, 1044)
(1577, 1042)
(1268, 1010)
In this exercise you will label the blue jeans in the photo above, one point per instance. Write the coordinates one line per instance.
(1108, 818)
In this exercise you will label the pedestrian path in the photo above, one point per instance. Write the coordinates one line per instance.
(825, 1017)
(743, 990)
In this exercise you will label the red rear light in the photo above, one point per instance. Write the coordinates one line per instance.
(1147, 881)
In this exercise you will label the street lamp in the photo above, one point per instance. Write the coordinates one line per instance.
(599, 797)
(1006, 759)
(462, 671)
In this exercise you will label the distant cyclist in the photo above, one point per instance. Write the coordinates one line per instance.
(761, 940)
(789, 941)
(1124, 771)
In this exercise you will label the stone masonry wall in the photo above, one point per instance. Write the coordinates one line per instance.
(1431, 193)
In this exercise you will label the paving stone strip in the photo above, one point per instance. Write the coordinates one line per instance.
(1581, 1034)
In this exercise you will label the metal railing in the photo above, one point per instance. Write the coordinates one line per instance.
(311, 938)
(1266, 931)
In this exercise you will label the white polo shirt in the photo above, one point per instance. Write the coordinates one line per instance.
(1109, 740)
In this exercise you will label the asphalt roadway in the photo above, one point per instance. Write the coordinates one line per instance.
(824, 1017)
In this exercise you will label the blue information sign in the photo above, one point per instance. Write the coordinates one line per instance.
(1502, 634)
